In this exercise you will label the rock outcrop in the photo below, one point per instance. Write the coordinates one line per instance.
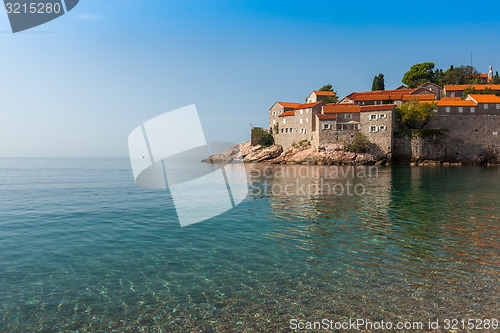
(299, 154)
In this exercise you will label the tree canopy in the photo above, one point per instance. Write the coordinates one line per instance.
(459, 75)
(378, 82)
(419, 74)
(416, 115)
(329, 99)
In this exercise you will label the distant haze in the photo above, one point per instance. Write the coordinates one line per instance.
(77, 86)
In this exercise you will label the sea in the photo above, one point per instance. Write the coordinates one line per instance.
(84, 249)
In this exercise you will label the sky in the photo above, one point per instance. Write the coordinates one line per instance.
(77, 86)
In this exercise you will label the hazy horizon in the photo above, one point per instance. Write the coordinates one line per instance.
(77, 86)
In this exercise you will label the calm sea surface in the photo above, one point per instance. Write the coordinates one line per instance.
(82, 248)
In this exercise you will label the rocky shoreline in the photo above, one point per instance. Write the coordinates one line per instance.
(304, 153)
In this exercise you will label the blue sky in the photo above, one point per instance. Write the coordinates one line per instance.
(77, 86)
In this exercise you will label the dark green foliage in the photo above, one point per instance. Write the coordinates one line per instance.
(378, 82)
(329, 99)
(276, 128)
(260, 136)
(415, 115)
(459, 75)
(496, 79)
(267, 140)
(471, 90)
(360, 144)
(419, 74)
(428, 133)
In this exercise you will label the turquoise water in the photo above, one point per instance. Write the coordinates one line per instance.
(83, 249)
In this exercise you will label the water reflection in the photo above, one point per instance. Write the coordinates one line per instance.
(423, 221)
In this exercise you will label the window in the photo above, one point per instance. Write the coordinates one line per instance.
(448, 109)
(307, 120)
(460, 109)
(373, 117)
(435, 110)
(304, 130)
(274, 122)
(382, 128)
(472, 109)
(382, 116)
(327, 126)
(300, 120)
(453, 94)
(274, 113)
(281, 112)
(486, 106)
(282, 130)
(286, 131)
(348, 116)
(284, 121)
(373, 129)
(301, 111)
(498, 106)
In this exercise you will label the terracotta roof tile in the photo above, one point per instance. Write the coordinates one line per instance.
(341, 108)
(450, 99)
(420, 97)
(326, 116)
(306, 105)
(485, 98)
(378, 107)
(324, 93)
(288, 113)
(288, 105)
(455, 103)
(460, 87)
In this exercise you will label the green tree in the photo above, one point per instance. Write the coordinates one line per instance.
(496, 79)
(416, 115)
(360, 144)
(378, 82)
(460, 75)
(419, 74)
(329, 99)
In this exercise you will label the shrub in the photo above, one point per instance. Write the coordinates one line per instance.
(360, 144)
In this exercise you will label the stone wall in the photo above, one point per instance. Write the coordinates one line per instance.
(374, 130)
(473, 138)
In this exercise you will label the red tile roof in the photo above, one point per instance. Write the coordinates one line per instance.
(455, 103)
(485, 98)
(450, 99)
(379, 95)
(378, 107)
(324, 93)
(420, 97)
(341, 108)
(326, 116)
(288, 105)
(288, 113)
(480, 75)
(460, 87)
(306, 105)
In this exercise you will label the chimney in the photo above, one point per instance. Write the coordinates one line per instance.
(490, 73)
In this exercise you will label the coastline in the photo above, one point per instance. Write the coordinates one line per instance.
(304, 153)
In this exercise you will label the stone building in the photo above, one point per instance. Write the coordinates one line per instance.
(276, 110)
(458, 89)
(297, 125)
(318, 96)
(471, 125)
(378, 123)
